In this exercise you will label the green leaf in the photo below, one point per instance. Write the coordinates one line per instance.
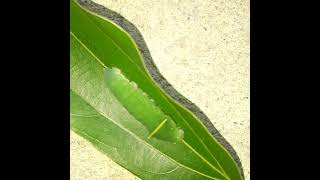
(117, 106)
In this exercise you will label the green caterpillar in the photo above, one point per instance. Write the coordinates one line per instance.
(142, 107)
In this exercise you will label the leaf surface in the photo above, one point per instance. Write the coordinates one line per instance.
(111, 111)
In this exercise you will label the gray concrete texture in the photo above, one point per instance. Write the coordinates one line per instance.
(198, 51)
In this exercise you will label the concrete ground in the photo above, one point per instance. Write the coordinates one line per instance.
(202, 49)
